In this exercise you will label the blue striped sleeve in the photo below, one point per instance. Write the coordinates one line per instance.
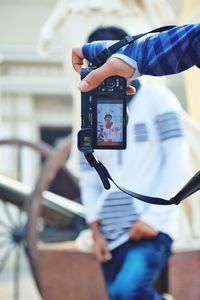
(90, 50)
(168, 52)
(171, 51)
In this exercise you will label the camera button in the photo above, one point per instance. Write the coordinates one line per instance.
(110, 82)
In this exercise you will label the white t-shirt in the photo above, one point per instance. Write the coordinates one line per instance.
(155, 163)
(110, 134)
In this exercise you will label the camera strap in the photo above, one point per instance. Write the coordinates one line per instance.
(101, 58)
(192, 186)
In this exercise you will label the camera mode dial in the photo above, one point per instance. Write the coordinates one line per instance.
(110, 83)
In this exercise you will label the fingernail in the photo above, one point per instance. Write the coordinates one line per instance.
(83, 86)
(108, 256)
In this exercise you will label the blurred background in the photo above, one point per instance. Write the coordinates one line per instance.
(39, 103)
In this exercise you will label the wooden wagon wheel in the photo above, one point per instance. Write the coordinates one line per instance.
(12, 234)
(13, 228)
(60, 274)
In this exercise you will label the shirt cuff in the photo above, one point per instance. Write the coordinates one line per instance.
(91, 218)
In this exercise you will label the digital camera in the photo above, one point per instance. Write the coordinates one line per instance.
(103, 115)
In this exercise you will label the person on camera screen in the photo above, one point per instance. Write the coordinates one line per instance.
(109, 132)
(132, 239)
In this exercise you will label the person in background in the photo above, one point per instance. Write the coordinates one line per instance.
(133, 239)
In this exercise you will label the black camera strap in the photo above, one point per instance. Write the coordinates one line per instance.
(192, 186)
(101, 58)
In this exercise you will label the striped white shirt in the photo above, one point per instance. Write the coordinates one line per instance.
(155, 163)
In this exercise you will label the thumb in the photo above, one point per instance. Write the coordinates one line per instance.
(95, 78)
(106, 253)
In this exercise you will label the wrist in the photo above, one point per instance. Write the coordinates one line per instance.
(134, 72)
(95, 230)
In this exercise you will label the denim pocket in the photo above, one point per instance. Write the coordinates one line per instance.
(164, 242)
(161, 250)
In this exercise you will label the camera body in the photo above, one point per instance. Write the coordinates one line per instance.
(103, 115)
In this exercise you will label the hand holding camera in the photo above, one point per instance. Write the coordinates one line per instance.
(103, 115)
(113, 66)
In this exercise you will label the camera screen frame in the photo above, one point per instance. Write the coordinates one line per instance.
(114, 110)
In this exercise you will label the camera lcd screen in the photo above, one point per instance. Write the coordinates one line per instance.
(109, 131)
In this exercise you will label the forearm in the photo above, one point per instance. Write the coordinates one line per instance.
(89, 198)
(90, 187)
(95, 227)
(166, 53)
(172, 51)
(173, 176)
(100, 248)
(176, 168)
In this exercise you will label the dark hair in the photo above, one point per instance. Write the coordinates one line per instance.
(107, 33)
(107, 115)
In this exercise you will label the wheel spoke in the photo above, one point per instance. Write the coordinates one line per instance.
(22, 217)
(4, 234)
(4, 243)
(4, 224)
(17, 274)
(5, 258)
(7, 211)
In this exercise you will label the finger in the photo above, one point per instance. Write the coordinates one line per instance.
(106, 253)
(102, 254)
(134, 234)
(112, 67)
(130, 90)
(98, 255)
(77, 59)
(150, 233)
(107, 256)
(95, 78)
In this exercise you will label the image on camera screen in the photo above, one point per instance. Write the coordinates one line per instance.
(109, 122)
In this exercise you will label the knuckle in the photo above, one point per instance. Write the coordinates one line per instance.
(93, 76)
(112, 64)
(74, 50)
(93, 79)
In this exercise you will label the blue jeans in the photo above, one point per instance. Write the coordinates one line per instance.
(135, 266)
